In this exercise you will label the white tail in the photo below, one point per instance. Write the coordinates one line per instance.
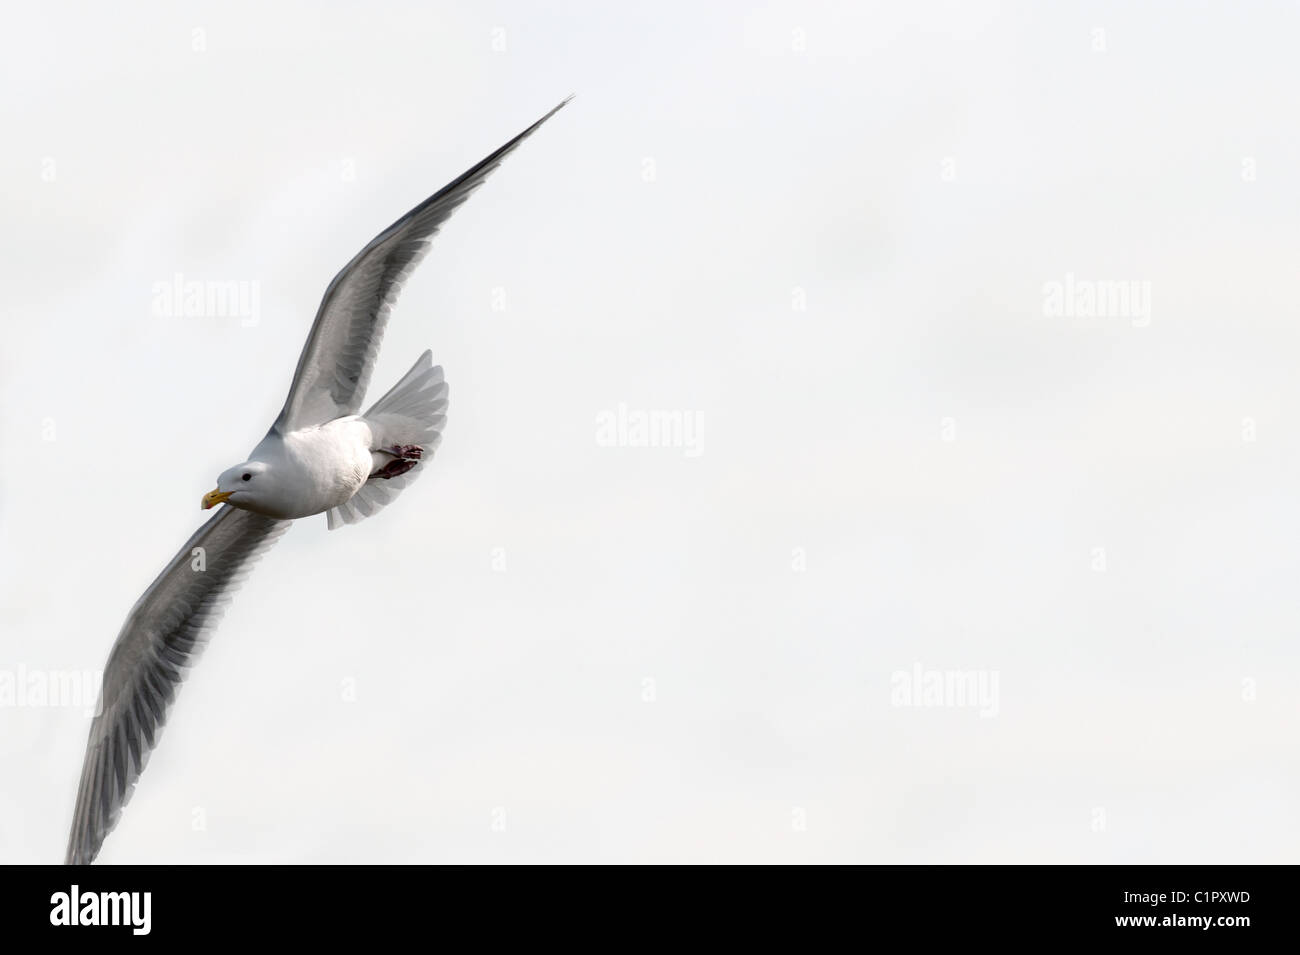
(412, 413)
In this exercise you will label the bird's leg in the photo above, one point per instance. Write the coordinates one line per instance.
(395, 467)
(405, 457)
(412, 451)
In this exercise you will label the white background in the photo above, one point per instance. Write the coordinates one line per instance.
(918, 173)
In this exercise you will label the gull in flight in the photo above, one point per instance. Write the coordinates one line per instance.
(322, 455)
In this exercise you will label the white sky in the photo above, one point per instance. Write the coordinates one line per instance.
(918, 172)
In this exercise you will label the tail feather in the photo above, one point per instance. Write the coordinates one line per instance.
(412, 412)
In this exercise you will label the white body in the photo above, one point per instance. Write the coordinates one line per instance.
(318, 468)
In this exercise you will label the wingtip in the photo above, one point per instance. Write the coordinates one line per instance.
(563, 103)
(80, 850)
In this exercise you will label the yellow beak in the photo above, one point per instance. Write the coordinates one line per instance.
(215, 497)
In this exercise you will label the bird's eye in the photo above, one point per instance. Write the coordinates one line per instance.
(248, 477)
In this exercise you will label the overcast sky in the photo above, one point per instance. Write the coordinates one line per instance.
(968, 332)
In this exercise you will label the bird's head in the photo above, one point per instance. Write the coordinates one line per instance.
(244, 486)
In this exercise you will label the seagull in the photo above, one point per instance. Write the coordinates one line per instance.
(320, 456)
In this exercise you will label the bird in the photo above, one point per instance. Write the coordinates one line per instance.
(321, 455)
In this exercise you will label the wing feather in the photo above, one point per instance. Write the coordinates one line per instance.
(334, 369)
(161, 639)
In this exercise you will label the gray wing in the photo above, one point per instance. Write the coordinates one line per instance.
(160, 640)
(339, 356)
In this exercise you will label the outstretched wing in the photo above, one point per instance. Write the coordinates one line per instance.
(339, 356)
(160, 640)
